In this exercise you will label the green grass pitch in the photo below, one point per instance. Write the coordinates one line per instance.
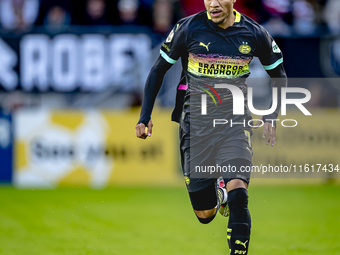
(301, 220)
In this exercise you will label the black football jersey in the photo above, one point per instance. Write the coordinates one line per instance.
(211, 54)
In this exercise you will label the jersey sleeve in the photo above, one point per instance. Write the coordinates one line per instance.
(268, 51)
(175, 44)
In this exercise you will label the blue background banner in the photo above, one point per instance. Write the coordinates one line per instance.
(6, 148)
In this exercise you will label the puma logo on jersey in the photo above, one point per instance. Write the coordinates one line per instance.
(239, 242)
(202, 44)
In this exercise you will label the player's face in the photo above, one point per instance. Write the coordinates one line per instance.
(219, 10)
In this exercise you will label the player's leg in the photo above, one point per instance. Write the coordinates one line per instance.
(206, 193)
(204, 203)
(239, 224)
(237, 146)
(202, 188)
(207, 201)
(196, 151)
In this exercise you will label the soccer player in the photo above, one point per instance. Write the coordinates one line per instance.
(216, 47)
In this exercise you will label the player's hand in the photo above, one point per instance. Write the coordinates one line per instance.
(267, 128)
(140, 130)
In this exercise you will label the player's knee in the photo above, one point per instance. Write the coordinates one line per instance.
(206, 216)
(236, 183)
(238, 198)
(205, 220)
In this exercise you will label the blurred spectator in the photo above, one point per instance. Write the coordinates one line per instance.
(134, 12)
(18, 14)
(57, 16)
(304, 17)
(163, 15)
(95, 13)
(279, 9)
(128, 11)
(332, 15)
(55, 13)
(277, 16)
(318, 6)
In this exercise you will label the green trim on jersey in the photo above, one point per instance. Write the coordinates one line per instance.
(167, 58)
(271, 67)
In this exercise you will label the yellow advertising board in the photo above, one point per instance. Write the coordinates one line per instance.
(94, 148)
(100, 148)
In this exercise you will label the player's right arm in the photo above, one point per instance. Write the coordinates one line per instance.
(152, 86)
(170, 52)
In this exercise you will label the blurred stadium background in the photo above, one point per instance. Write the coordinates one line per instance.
(75, 180)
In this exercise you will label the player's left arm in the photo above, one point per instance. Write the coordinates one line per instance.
(271, 58)
(279, 81)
